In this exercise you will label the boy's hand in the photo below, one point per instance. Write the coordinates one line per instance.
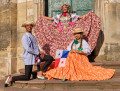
(42, 54)
(82, 53)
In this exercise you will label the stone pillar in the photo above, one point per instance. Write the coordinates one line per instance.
(8, 37)
(13, 21)
(108, 11)
(101, 12)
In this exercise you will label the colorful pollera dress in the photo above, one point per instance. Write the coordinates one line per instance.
(78, 67)
(58, 34)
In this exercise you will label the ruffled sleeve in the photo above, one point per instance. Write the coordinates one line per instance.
(74, 17)
(86, 47)
(56, 18)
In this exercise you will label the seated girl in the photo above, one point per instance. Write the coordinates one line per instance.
(77, 66)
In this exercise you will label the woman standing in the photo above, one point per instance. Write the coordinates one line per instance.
(58, 34)
(77, 66)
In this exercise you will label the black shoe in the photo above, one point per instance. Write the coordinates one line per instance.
(6, 82)
(6, 85)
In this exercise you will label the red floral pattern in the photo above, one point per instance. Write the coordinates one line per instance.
(50, 39)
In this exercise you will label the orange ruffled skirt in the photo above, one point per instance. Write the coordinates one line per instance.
(77, 68)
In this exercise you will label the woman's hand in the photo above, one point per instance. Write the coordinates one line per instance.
(81, 52)
(77, 51)
(73, 51)
(48, 18)
(81, 17)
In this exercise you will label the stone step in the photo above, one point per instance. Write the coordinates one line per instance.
(113, 83)
(117, 74)
(108, 64)
(55, 84)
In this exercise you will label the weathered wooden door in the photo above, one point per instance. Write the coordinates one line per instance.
(81, 7)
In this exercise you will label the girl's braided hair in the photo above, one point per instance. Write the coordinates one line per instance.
(80, 42)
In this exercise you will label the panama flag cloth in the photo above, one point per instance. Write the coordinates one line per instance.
(60, 58)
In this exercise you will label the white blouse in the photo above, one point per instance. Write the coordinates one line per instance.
(73, 16)
(85, 46)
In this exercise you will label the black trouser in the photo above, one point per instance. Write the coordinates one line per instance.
(26, 77)
(48, 60)
(28, 69)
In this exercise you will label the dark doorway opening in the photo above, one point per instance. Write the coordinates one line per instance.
(46, 7)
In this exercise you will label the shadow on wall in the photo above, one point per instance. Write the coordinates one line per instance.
(99, 44)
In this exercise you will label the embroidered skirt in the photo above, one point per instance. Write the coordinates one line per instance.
(78, 68)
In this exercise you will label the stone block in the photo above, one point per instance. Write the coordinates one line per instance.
(4, 67)
(8, 39)
(13, 52)
(20, 63)
(112, 51)
(13, 65)
(19, 38)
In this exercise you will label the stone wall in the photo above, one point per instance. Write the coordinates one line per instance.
(108, 43)
(8, 42)
(14, 13)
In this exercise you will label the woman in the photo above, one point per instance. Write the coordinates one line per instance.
(58, 34)
(77, 65)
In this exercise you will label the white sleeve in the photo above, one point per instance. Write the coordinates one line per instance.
(86, 47)
(74, 17)
(69, 46)
(27, 46)
(56, 18)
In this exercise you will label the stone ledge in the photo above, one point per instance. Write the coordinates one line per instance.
(106, 63)
(113, 83)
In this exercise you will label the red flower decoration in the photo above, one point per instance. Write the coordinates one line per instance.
(64, 14)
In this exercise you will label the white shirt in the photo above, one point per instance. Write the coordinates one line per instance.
(31, 48)
(85, 46)
(73, 16)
